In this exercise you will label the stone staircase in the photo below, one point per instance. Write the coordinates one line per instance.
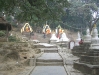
(50, 50)
(55, 62)
(50, 57)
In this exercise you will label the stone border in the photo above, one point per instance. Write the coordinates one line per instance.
(66, 69)
(29, 72)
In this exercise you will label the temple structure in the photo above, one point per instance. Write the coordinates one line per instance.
(77, 40)
(89, 61)
(87, 37)
(46, 29)
(26, 28)
(59, 31)
(95, 39)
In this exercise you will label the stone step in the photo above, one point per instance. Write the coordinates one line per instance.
(49, 60)
(49, 48)
(51, 51)
(42, 46)
(49, 64)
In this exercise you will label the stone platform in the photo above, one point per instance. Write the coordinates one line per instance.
(89, 63)
(87, 68)
(81, 50)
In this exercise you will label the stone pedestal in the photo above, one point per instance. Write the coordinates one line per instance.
(27, 34)
(87, 69)
(89, 62)
(91, 57)
(81, 50)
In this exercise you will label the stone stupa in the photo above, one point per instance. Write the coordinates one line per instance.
(53, 38)
(95, 38)
(77, 40)
(89, 61)
(64, 38)
(87, 37)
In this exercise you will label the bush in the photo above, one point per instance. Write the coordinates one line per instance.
(2, 33)
(12, 38)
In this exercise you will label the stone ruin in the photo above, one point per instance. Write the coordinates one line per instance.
(89, 60)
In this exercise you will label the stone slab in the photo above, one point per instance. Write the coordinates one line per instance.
(49, 70)
(50, 56)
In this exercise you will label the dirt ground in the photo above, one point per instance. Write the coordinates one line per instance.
(14, 57)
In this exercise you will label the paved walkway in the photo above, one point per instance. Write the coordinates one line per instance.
(51, 57)
(49, 70)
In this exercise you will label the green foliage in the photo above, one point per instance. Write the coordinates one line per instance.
(2, 33)
(79, 13)
(34, 10)
(12, 39)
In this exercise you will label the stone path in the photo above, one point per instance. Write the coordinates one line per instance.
(50, 63)
(50, 56)
(49, 70)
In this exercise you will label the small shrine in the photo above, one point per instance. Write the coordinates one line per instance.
(77, 40)
(26, 28)
(95, 38)
(59, 31)
(87, 37)
(46, 29)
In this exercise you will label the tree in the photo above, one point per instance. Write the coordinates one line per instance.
(34, 10)
(80, 13)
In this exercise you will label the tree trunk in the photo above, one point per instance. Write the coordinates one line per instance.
(7, 33)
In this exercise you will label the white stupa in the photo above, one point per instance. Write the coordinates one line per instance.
(64, 38)
(87, 37)
(77, 40)
(95, 39)
(54, 38)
